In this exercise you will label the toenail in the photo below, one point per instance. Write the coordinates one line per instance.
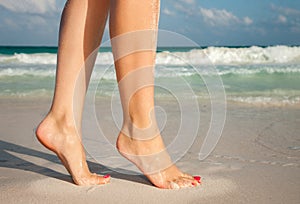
(197, 178)
(106, 176)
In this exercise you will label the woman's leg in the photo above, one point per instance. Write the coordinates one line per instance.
(81, 30)
(139, 141)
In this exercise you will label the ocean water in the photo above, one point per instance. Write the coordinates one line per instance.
(252, 75)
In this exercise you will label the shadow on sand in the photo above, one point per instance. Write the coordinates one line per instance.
(9, 160)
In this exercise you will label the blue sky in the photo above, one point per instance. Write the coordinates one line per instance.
(207, 22)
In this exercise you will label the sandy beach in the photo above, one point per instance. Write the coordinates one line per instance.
(257, 160)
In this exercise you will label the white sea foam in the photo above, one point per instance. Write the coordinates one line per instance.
(215, 55)
(254, 55)
(161, 71)
(8, 72)
(225, 55)
(269, 69)
(37, 58)
(263, 100)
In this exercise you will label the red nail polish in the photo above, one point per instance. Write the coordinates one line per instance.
(106, 176)
(193, 184)
(197, 178)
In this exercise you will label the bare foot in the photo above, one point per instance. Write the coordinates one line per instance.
(65, 142)
(170, 177)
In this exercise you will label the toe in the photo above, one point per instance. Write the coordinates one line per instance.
(104, 179)
(173, 185)
(101, 179)
(187, 176)
(198, 179)
(93, 179)
(187, 182)
(182, 182)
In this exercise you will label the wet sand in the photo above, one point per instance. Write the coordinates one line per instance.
(257, 160)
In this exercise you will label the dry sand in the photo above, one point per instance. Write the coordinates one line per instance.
(257, 160)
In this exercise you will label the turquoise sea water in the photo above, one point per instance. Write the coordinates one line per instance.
(255, 75)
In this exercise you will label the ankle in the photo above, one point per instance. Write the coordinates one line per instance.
(62, 119)
(53, 123)
(138, 132)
